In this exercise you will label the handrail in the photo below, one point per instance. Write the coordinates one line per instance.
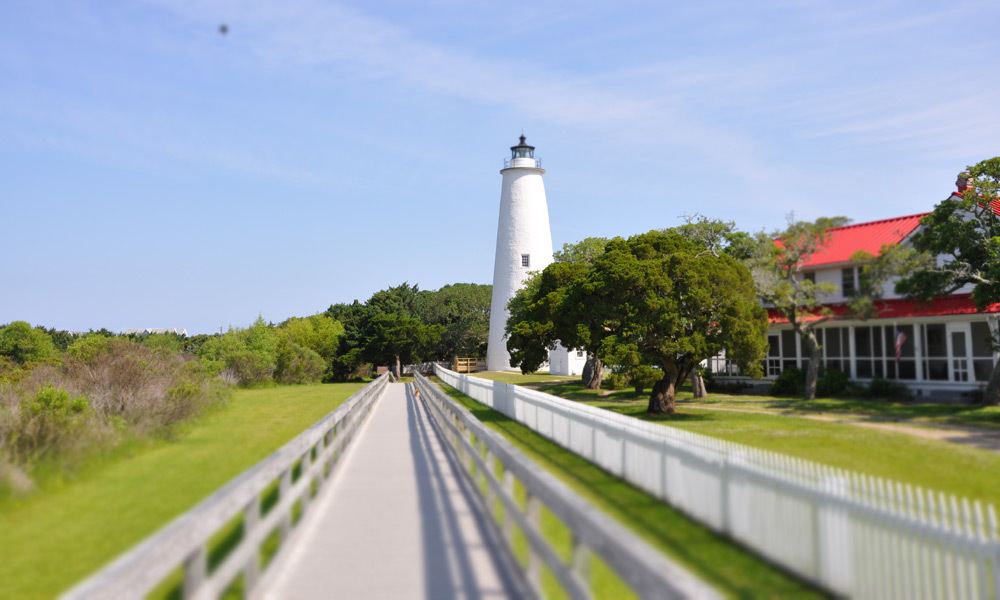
(299, 468)
(648, 572)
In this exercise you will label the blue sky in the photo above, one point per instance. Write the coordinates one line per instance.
(156, 173)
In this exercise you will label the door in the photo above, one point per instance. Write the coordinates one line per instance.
(959, 351)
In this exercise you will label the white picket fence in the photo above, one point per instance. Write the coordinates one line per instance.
(851, 534)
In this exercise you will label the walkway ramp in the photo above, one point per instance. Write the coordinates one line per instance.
(399, 521)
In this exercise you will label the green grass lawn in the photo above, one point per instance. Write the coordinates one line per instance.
(734, 571)
(68, 529)
(951, 467)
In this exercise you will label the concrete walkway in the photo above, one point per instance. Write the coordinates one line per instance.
(398, 521)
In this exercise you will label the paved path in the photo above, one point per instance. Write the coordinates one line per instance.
(398, 521)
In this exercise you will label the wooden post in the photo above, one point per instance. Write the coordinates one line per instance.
(580, 561)
(284, 489)
(251, 570)
(534, 513)
(508, 521)
(195, 571)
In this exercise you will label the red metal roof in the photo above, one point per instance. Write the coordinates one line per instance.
(957, 304)
(845, 241)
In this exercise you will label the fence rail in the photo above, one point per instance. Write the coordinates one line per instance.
(851, 534)
(644, 569)
(297, 470)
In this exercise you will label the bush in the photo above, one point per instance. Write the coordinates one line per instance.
(831, 382)
(24, 344)
(108, 390)
(644, 377)
(617, 381)
(298, 364)
(889, 390)
(791, 382)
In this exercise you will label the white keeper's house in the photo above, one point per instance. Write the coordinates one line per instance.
(944, 345)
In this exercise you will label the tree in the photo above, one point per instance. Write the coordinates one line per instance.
(23, 344)
(671, 302)
(391, 333)
(777, 270)
(463, 310)
(551, 308)
(964, 231)
(397, 338)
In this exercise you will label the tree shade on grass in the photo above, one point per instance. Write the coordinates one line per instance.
(935, 464)
(733, 570)
(68, 529)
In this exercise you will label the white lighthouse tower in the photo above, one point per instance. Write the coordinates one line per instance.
(524, 242)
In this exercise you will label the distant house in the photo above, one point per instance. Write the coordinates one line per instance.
(940, 348)
(148, 330)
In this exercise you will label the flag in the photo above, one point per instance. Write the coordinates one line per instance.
(900, 340)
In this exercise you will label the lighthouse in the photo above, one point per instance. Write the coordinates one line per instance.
(524, 242)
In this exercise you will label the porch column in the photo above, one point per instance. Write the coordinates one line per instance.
(851, 352)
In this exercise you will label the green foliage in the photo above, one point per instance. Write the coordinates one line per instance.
(298, 364)
(247, 356)
(89, 346)
(24, 344)
(585, 251)
(832, 382)
(965, 230)
(463, 311)
(642, 377)
(884, 389)
(617, 380)
(668, 299)
(790, 382)
(55, 403)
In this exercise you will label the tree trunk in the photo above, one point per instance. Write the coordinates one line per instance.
(697, 384)
(812, 373)
(398, 371)
(593, 373)
(992, 393)
(661, 400)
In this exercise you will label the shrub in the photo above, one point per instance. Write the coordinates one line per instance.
(644, 377)
(298, 364)
(831, 382)
(617, 381)
(890, 390)
(23, 344)
(791, 382)
(48, 423)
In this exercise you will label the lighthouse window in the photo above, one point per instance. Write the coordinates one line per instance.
(525, 260)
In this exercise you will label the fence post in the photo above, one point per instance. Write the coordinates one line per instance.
(508, 521)
(580, 561)
(533, 514)
(251, 570)
(195, 571)
(284, 489)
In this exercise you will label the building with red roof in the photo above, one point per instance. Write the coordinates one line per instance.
(941, 348)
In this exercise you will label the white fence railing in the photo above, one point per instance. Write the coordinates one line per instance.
(650, 574)
(851, 534)
(297, 470)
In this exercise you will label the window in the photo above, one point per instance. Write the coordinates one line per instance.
(982, 351)
(788, 349)
(875, 350)
(935, 352)
(579, 353)
(772, 367)
(836, 348)
(809, 276)
(525, 260)
(847, 286)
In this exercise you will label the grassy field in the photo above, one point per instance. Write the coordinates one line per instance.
(788, 426)
(68, 529)
(736, 572)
